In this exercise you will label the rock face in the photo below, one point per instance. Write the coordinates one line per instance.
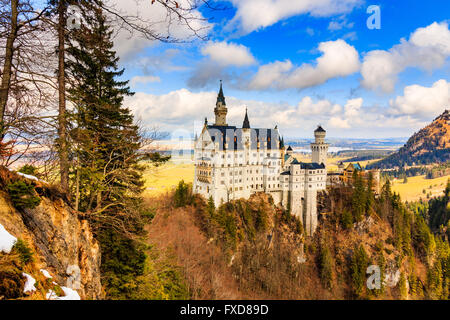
(64, 244)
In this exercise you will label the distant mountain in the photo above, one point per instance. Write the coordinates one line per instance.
(430, 145)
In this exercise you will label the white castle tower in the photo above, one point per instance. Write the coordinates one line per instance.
(319, 148)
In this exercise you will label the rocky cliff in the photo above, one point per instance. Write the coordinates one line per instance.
(62, 245)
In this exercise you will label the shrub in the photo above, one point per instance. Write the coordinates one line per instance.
(24, 252)
(358, 268)
(326, 267)
(183, 195)
(123, 263)
(23, 195)
(28, 169)
(347, 220)
(11, 280)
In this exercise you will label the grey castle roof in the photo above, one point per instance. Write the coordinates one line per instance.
(232, 136)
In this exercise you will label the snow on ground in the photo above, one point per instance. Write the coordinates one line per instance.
(29, 285)
(6, 240)
(28, 176)
(69, 295)
(46, 274)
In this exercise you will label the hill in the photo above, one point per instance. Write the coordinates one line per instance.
(429, 145)
(252, 249)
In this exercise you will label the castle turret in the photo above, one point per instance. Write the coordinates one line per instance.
(319, 148)
(221, 108)
(246, 123)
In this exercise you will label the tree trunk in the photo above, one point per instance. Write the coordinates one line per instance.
(62, 128)
(7, 66)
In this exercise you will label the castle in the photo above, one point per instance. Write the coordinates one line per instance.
(233, 163)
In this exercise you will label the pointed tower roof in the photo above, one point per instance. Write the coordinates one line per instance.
(282, 143)
(220, 96)
(246, 124)
(319, 129)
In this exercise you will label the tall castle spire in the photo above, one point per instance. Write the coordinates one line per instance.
(220, 96)
(221, 108)
(246, 124)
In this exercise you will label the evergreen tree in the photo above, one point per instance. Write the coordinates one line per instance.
(359, 196)
(358, 270)
(107, 176)
(370, 197)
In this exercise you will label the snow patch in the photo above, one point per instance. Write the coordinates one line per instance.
(29, 285)
(46, 274)
(69, 295)
(7, 241)
(27, 176)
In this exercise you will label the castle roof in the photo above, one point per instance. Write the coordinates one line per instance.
(319, 129)
(246, 124)
(221, 96)
(289, 148)
(311, 166)
(231, 135)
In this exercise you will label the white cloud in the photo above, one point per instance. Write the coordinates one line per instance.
(338, 59)
(228, 54)
(252, 15)
(423, 101)
(154, 16)
(339, 24)
(339, 123)
(270, 74)
(181, 109)
(144, 80)
(427, 49)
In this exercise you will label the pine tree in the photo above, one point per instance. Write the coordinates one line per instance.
(359, 196)
(105, 139)
(105, 143)
(358, 270)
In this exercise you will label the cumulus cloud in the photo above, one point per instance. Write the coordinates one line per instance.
(422, 101)
(228, 54)
(183, 109)
(270, 74)
(219, 57)
(338, 59)
(427, 49)
(153, 16)
(253, 15)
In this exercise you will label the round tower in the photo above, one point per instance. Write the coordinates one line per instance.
(319, 148)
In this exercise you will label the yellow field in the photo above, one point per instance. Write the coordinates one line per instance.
(413, 189)
(164, 178)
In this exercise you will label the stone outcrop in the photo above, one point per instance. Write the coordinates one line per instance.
(64, 244)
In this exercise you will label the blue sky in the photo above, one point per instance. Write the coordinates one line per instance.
(298, 63)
